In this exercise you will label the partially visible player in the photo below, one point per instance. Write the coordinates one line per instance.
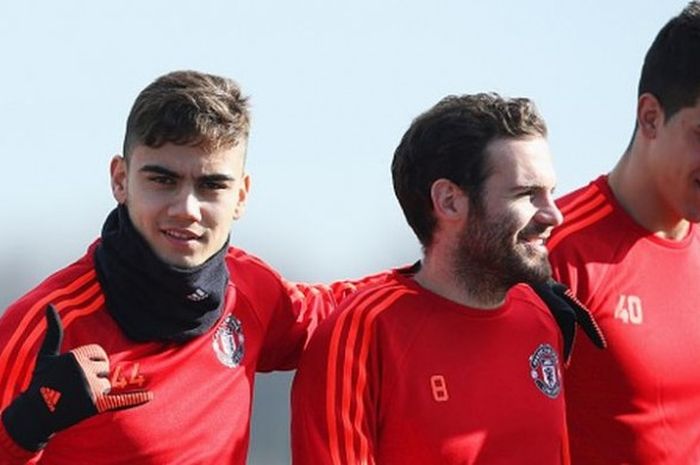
(630, 249)
(452, 361)
(144, 351)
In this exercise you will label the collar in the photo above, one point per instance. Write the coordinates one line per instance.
(149, 299)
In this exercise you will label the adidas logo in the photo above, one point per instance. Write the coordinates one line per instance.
(51, 397)
(198, 295)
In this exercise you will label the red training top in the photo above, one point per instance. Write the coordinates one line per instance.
(638, 402)
(400, 375)
(202, 388)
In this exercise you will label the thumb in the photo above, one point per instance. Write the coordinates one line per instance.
(54, 333)
(122, 401)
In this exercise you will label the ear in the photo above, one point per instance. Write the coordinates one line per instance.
(450, 202)
(118, 175)
(650, 115)
(243, 191)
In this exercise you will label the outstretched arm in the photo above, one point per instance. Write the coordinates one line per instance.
(299, 312)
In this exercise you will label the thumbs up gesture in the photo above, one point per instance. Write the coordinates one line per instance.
(65, 389)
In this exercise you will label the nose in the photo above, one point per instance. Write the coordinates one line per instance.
(186, 205)
(549, 214)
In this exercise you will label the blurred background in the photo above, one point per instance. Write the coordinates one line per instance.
(333, 86)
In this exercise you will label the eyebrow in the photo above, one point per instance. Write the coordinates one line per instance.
(157, 169)
(532, 186)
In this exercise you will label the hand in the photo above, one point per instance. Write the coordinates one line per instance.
(65, 389)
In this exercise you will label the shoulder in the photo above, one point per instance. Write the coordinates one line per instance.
(74, 291)
(251, 274)
(585, 211)
(532, 315)
(73, 285)
(359, 324)
(531, 311)
(371, 303)
(381, 293)
(523, 296)
(240, 261)
(594, 227)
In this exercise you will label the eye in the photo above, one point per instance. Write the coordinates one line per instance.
(160, 179)
(214, 185)
(528, 193)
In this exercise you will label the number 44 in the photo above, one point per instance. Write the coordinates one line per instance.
(123, 378)
(629, 309)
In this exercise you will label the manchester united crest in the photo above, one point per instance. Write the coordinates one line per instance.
(228, 342)
(544, 370)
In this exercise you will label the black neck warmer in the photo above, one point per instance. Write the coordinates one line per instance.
(149, 299)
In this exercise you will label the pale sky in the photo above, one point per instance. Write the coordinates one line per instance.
(333, 87)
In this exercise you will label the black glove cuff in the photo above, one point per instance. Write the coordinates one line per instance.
(33, 417)
(24, 423)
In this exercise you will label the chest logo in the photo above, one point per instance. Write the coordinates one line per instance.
(544, 370)
(629, 310)
(228, 342)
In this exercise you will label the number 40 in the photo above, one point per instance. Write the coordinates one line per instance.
(629, 309)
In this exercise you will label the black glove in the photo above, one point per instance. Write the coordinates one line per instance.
(65, 389)
(567, 311)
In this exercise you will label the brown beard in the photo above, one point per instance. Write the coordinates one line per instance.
(488, 263)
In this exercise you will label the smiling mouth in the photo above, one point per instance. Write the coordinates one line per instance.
(184, 236)
(534, 242)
